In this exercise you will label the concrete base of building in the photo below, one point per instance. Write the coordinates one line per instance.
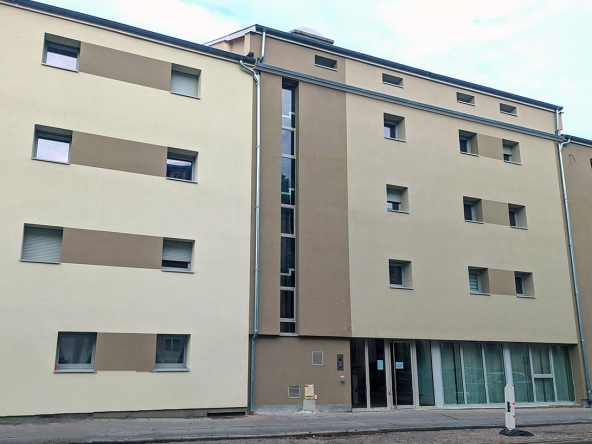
(285, 409)
(175, 413)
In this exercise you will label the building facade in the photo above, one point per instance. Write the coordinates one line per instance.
(124, 197)
(415, 225)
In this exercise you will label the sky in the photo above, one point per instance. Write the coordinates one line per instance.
(536, 48)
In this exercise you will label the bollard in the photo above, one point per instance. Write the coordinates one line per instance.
(510, 413)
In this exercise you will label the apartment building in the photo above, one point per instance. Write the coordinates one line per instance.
(125, 214)
(412, 245)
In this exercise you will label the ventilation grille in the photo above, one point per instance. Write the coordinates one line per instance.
(294, 391)
(317, 358)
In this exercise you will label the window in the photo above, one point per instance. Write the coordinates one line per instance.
(287, 311)
(396, 198)
(517, 216)
(181, 165)
(511, 151)
(465, 98)
(523, 282)
(472, 209)
(294, 392)
(324, 62)
(176, 255)
(42, 244)
(508, 109)
(394, 127)
(392, 80)
(400, 273)
(171, 351)
(52, 145)
(478, 280)
(185, 81)
(467, 142)
(75, 351)
(60, 52)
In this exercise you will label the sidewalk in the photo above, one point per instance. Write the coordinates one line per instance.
(243, 427)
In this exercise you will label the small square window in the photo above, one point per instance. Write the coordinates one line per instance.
(467, 142)
(511, 151)
(508, 109)
(181, 165)
(75, 351)
(478, 281)
(171, 351)
(517, 216)
(52, 146)
(394, 127)
(324, 62)
(396, 198)
(523, 282)
(400, 274)
(185, 81)
(176, 255)
(392, 80)
(42, 244)
(61, 53)
(467, 99)
(472, 209)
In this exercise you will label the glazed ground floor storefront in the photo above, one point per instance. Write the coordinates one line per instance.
(409, 374)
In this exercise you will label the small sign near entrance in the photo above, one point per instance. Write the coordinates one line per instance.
(380, 364)
(399, 365)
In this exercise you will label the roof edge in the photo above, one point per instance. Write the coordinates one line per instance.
(577, 139)
(127, 28)
(411, 69)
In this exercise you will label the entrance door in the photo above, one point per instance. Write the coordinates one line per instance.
(402, 374)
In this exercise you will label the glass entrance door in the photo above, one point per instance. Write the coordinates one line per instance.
(402, 374)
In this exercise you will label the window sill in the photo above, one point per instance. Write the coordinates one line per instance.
(59, 67)
(519, 228)
(474, 221)
(180, 180)
(76, 370)
(393, 138)
(393, 84)
(39, 262)
(480, 294)
(326, 67)
(465, 103)
(50, 161)
(524, 296)
(401, 287)
(397, 211)
(509, 114)
(168, 370)
(172, 270)
(184, 95)
(469, 154)
(513, 163)
(289, 334)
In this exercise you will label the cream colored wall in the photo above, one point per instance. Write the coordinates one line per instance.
(437, 240)
(38, 300)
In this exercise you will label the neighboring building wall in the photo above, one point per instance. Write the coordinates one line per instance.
(117, 207)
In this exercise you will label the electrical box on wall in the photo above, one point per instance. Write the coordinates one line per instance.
(339, 362)
(309, 391)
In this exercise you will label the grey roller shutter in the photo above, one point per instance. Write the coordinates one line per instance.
(42, 245)
(176, 251)
(393, 195)
(474, 281)
(186, 84)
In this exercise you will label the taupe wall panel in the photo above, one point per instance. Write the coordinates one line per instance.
(118, 154)
(501, 282)
(112, 249)
(285, 361)
(124, 66)
(488, 146)
(271, 173)
(495, 212)
(322, 213)
(125, 352)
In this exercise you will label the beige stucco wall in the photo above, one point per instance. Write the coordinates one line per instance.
(39, 299)
(437, 240)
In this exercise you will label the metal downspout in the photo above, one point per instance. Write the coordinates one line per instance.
(573, 270)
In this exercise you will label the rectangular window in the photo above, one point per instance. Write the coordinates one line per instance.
(392, 80)
(523, 282)
(171, 351)
(400, 273)
(508, 109)
(520, 286)
(475, 284)
(52, 146)
(517, 216)
(288, 220)
(467, 99)
(324, 62)
(75, 351)
(181, 165)
(288, 262)
(396, 198)
(287, 307)
(467, 142)
(42, 244)
(511, 151)
(521, 373)
(394, 127)
(471, 208)
(176, 255)
(62, 53)
(185, 81)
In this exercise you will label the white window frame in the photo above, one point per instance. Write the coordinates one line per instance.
(82, 368)
(174, 269)
(174, 155)
(468, 140)
(391, 124)
(49, 44)
(173, 366)
(403, 266)
(45, 228)
(510, 148)
(473, 206)
(56, 137)
(478, 273)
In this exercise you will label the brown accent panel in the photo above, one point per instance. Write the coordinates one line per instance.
(285, 361)
(125, 352)
(322, 213)
(271, 173)
(118, 154)
(488, 146)
(495, 212)
(111, 249)
(501, 282)
(124, 66)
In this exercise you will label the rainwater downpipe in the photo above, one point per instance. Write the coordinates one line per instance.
(573, 268)
(257, 79)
